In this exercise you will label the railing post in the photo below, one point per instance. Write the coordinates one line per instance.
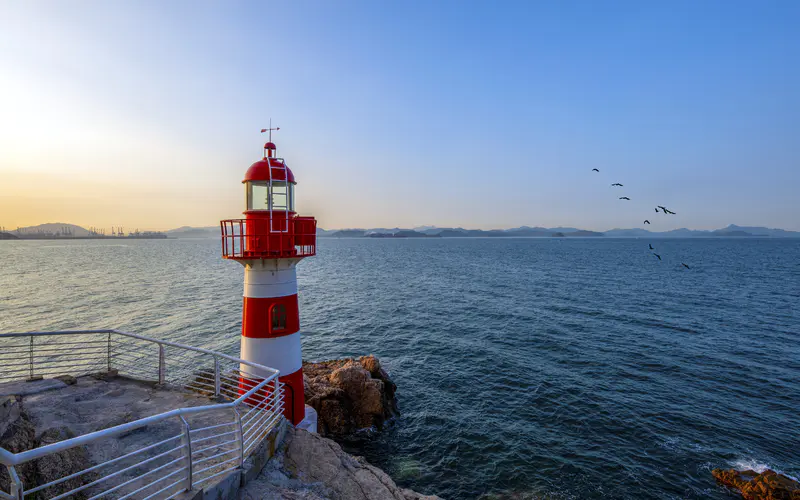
(241, 435)
(216, 377)
(276, 396)
(162, 369)
(17, 491)
(30, 358)
(187, 443)
(109, 351)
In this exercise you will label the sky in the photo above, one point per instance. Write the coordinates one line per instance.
(400, 114)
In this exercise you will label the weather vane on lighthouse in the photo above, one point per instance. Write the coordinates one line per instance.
(270, 129)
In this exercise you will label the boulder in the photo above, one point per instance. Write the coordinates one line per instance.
(767, 485)
(350, 395)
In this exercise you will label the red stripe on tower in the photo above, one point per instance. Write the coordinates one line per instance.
(269, 242)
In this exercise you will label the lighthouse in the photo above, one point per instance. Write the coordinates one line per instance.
(269, 242)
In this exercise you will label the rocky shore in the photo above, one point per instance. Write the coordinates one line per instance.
(350, 395)
(767, 485)
(312, 467)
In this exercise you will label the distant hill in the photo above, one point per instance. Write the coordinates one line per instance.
(762, 231)
(730, 231)
(347, 233)
(8, 236)
(57, 229)
(403, 233)
(54, 228)
(561, 232)
(189, 232)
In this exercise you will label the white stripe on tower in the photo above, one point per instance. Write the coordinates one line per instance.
(267, 283)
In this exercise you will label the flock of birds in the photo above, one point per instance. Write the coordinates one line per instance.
(665, 210)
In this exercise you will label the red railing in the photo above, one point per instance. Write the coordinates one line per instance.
(258, 239)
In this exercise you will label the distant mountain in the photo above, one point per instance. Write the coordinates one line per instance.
(627, 233)
(762, 231)
(54, 228)
(347, 233)
(403, 233)
(8, 236)
(730, 231)
(558, 232)
(582, 233)
(188, 232)
(212, 232)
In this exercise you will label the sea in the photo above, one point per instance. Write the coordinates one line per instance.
(526, 368)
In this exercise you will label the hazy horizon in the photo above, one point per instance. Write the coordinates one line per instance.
(414, 227)
(146, 115)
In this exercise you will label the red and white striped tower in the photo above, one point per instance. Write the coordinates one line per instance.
(269, 242)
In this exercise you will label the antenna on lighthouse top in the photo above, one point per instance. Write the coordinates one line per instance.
(270, 129)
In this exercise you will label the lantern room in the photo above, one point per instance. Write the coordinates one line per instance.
(269, 184)
(271, 227)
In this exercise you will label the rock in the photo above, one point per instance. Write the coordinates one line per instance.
(350, 395)
(313, 467)
(107, 375)
(19, 434)
(29, 387)
(58, 465)
(67, 379)
(10, 411)
(767, 485)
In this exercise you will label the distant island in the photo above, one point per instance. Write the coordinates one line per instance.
(71, 231)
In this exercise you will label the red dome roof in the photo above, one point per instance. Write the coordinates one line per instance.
(270, 145)
(259, 171)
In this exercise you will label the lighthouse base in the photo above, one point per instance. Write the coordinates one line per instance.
(309, 423)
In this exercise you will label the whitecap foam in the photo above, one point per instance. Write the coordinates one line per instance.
(752, 464)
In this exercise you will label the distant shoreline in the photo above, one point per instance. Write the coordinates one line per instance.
(27, 237)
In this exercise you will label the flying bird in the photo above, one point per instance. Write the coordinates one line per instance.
(651, 246)
(684, 265)
(646, 221)
(659, 257)
(595, 170)
(624, 198)
(669, 212)
(617, 184)
(656, 210)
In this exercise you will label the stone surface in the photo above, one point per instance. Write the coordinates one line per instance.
(312, 467)
(767, 485)
(26, 388)
(86, 405)
(349, 395)
(18, 434)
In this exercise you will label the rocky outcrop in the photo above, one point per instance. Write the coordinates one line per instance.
(767, 485)
(349, 395)
(18, 434)
(312, 467)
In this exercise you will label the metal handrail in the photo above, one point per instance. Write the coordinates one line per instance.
(271, 408)
(141, 337)
(255, 238)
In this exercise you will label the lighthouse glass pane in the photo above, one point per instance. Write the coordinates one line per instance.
(280, 196)
(291, 197)
(258, 196)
